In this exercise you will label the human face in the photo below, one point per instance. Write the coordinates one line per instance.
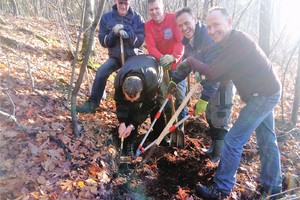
(156, 11)
(123, 7)
(132, 99)
(218, 26)
(187, 24)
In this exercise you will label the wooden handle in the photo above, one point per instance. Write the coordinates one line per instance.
(166, 72)
(174, 117)
(122, 50)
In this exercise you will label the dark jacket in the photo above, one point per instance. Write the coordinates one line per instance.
(205, 50)
(148, 70)
(242, 61)
(133, 25)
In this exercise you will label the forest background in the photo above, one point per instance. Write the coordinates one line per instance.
(49, 53)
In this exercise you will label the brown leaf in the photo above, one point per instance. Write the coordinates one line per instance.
(182, 194)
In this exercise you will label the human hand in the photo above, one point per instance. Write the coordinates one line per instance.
(166, 61)
(182, 68)
(123, 34)
(172, 88)
(121, 130)
(198, 77)
(200, 106)
(116, 29)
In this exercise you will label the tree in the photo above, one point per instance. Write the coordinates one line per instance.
(264, 25)
(83, 67)
(88, 19)
(297, 92)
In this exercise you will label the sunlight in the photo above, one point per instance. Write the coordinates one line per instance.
(289, 16)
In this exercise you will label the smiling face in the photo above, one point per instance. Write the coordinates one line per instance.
(123, 6)
(187, 24)
(219, 26)
(156, 11)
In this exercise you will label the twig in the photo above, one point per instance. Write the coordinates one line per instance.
(247, 188)
(14, 119)
(32, 81)
(281, 193)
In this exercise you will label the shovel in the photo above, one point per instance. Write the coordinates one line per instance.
(176, 137)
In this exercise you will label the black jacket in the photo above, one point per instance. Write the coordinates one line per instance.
(205, 50)
(148, 70)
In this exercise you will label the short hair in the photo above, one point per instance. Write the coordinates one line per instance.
(152, 1)
(184, 10)
(222, 10)
(132, 86)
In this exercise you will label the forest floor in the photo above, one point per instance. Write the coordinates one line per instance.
(40, 157)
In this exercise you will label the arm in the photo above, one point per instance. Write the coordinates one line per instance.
(106, 36)
(150, 43)
(136, 35)
(145, 110)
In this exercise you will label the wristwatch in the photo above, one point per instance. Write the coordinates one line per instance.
(132, 127)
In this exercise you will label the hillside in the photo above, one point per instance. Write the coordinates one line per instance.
(42, 159)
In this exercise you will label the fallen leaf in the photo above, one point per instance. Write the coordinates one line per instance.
(182, 194)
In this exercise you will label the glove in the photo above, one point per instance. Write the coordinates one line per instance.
(123, 34)
(197, 77)
(172, 88)
(116, 29)
(200, 106)
(166, 61)
(182, 68)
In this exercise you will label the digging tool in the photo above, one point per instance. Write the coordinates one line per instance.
(140, 147)
(166, 130)
(176, 137)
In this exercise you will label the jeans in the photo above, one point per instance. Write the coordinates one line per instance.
(102, 74)
(257, 116)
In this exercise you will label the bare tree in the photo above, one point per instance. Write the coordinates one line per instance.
(264, 25)
(83, 67)
(15, 7)
(88, 20)
(297, 92)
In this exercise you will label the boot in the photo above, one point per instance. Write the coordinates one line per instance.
(89, 107)
(210, 192)
(217, 148)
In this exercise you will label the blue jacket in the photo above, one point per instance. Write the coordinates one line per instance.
(133, 25)
(205, 50)
(150, 72)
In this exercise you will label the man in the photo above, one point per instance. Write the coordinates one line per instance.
(121, 21)
(163, 41)
(243, 61)
(136, 87)
(216, 98)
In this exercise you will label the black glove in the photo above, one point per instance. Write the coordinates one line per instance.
(172, 88)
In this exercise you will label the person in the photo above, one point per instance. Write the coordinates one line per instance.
(122, 21)
(137, 94)
(216, 98)
(242, 61)
(163, 41)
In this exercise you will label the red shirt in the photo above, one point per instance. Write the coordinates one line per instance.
(164, 38)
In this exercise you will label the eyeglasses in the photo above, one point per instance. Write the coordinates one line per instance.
(123, 3)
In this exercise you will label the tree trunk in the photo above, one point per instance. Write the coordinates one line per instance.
(264, 25)
(84, 65)
(15, 7)
(297, 92)
(88, 20)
